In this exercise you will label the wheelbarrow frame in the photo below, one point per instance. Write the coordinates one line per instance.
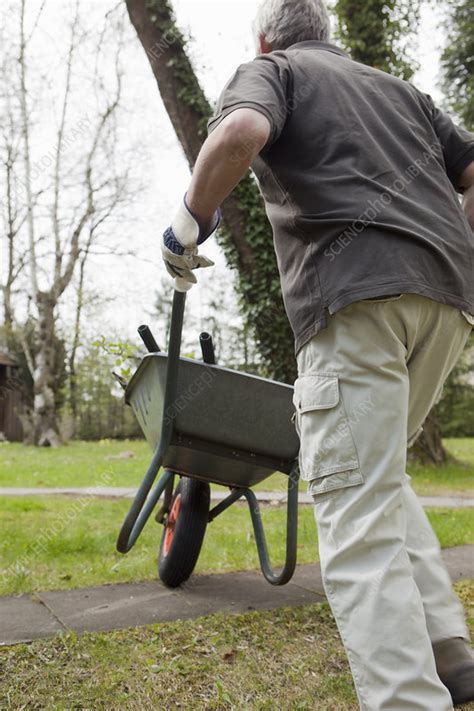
(147, 498)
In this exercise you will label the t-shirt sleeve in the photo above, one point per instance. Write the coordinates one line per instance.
(262, 84)
(457, 144)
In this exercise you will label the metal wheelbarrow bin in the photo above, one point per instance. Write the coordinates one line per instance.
(207, 424)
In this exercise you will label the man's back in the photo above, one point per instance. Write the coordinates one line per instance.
(359, 181)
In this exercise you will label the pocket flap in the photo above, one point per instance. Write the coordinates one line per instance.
(316, 392)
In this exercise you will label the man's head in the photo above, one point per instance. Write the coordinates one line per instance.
(281, 23)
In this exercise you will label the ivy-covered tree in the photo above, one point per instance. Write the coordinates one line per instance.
(458, 60)
(376, 32)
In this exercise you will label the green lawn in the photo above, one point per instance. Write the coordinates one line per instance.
(213, 662)
(59, 542)
(452, 478)
(283, 659)
(103, 464)
(77, 464)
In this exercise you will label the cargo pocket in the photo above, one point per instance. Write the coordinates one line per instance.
(327, 456)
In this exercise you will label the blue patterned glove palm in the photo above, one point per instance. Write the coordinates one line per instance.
(180, 246)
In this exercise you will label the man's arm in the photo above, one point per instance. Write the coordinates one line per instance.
(466, 181)
(224, 159)
(250, 115)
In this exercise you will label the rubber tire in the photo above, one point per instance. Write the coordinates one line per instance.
(190, 527)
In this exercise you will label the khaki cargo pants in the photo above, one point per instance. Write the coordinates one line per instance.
(365, 385)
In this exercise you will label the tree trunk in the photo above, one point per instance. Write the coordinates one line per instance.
(76, 338)
(11, 234)
(429, 449)
(45, 425)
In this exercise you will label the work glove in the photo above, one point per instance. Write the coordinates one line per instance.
(180, 246)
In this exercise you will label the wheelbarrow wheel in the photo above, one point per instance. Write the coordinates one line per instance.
(184, 531)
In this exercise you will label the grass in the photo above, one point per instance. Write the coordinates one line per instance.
(77, 464)
(59, 542)
(103, 463)
(289, 658)
(453, 478)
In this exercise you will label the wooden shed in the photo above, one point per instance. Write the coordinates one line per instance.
(10, 400)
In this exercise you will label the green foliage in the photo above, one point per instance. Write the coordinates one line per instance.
(375, 32)
(124, 352)
(456, 409)
(458, 60)
(100, 408)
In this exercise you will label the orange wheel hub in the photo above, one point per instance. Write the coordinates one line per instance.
(170, 525)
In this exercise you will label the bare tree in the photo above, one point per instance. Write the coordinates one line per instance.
(59, 223)
(14, 261)
(12, 216)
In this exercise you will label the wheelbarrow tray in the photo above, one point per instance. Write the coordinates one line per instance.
(230, 427)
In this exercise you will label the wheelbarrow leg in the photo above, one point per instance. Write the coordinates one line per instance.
(143, 506)
(291, 531)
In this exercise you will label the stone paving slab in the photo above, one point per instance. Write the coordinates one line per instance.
(448, 502)
(460, 562)
(129, 605)
(124, 605)
(25, 618)
(277, 497)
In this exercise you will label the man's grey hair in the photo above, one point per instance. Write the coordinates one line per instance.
(285, 22)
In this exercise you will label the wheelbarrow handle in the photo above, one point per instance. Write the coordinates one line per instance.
(148, 339)
(144, 502)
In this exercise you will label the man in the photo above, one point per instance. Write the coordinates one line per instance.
(360, 174)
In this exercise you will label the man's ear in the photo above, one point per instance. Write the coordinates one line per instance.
(265, 48)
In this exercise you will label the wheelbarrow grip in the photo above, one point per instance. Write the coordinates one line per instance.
(148, 339)
(207, 348)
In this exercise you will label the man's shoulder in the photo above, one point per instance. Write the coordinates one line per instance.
(278, 58)
(267, 67)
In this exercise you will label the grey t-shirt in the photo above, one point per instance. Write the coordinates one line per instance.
(359, 178)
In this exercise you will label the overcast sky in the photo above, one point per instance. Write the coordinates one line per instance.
(222, 39)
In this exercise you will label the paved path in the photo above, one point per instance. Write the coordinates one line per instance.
(119, 606)
(277, 497)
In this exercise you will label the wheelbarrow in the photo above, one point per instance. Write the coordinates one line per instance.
(207, 424)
